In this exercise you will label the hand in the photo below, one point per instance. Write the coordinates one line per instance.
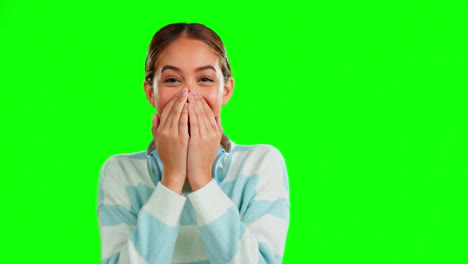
(170, 132)
(205, 137)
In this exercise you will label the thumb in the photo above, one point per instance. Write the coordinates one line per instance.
(156, 120)
(218, 123)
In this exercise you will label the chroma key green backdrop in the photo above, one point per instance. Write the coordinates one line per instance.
(366, 100)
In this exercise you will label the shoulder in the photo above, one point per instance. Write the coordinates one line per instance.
(260, 153)
(260, 159)
(124, 161)
(121, 176)
(125, 169)
(254, 149)
(262, 166)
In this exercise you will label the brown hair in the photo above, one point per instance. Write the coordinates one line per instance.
(171, 32)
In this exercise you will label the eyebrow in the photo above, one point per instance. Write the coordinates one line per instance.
(170, 67)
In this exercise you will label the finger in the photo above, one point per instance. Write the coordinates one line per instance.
(200, 114)
(167, 110)
(155, 126)
(193, 120)
(177, 111)
(218, 124)
(183, 124)
(203, 119)
(210, 119)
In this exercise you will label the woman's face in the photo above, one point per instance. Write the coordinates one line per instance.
(191, 64)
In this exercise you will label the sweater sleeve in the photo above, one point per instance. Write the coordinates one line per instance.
(255, 233)
(133, 234)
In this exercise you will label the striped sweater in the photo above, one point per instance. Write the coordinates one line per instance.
(242, 218)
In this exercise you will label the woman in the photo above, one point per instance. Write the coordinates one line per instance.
(193, 196)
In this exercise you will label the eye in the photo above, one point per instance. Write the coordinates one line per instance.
(171, 80)
(206, 79)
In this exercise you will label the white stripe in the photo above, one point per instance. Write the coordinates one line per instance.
(113, 238)
(271, 181)
(209, 203)
(189, 245)
(114, 187)
(165, 205)
(270, 230)
(133, 256)
(120, 173)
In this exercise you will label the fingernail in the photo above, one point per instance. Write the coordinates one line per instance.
(184, 92)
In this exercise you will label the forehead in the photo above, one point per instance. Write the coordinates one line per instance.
(187, 53)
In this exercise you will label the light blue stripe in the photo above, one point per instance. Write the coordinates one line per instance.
(188, 214)
(198, 262)
(242, 228)
(259, 208)
(111, 215)
(266, 256)
(138, 196)
(153, 239)
(221, 237)
(112, 260)
(241, 190)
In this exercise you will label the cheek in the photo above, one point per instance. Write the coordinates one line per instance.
(162, 100)
(214, 103)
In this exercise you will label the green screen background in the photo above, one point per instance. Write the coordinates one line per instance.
(365, 100)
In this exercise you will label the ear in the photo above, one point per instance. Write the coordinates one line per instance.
(228, 90)
(149, 92)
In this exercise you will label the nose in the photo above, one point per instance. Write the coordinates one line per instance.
(191, 89)
(190, 86)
